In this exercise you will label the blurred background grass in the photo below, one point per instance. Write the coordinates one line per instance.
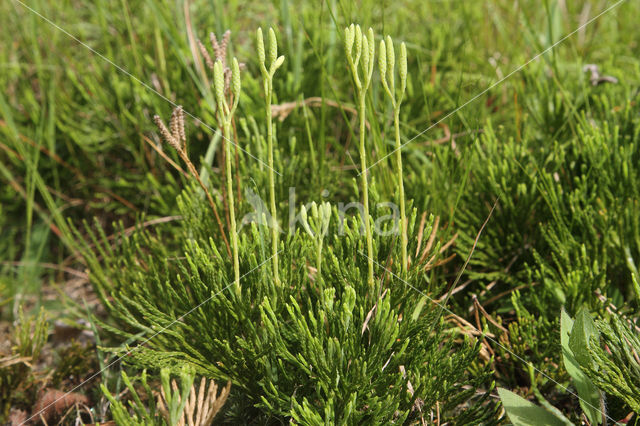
(73, 125)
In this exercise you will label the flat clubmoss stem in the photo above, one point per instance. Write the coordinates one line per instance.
(232, 212)
(272, 186)
(365, 187)
(403, 214)
(386, 64)
(226, 118)
(360, 49)
(267, 79)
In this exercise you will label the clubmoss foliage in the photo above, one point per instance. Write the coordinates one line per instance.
(594, 233)
(565, 232)
(613, 360)
(573, 230)
(315, 349)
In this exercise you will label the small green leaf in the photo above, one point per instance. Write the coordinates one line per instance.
(587, 392)
(583, 330)
(524, 413)
(566, 325)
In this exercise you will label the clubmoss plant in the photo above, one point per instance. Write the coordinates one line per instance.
(386, 62)
(275, 62)
(365, 51)
(226, 117)
(392, 355)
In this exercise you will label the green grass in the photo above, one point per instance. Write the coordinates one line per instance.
(558, 154)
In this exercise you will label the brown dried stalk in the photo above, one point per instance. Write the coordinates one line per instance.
(176, 137)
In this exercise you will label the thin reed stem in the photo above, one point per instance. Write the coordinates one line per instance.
(225, 114)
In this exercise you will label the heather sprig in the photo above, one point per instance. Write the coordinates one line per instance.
(386, 63)
(275, 62)
(360, 49)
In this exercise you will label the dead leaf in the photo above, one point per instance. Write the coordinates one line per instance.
(53, 403)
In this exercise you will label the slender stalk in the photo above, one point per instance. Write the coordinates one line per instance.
(267, 78)
(272, 185)
(223, 173)
(196, 175)
(226, 117)
(238, 181)
(403, 214)
(364, 46)
(232, 212)
(365, 186)
(386, 63)
(317, 227)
